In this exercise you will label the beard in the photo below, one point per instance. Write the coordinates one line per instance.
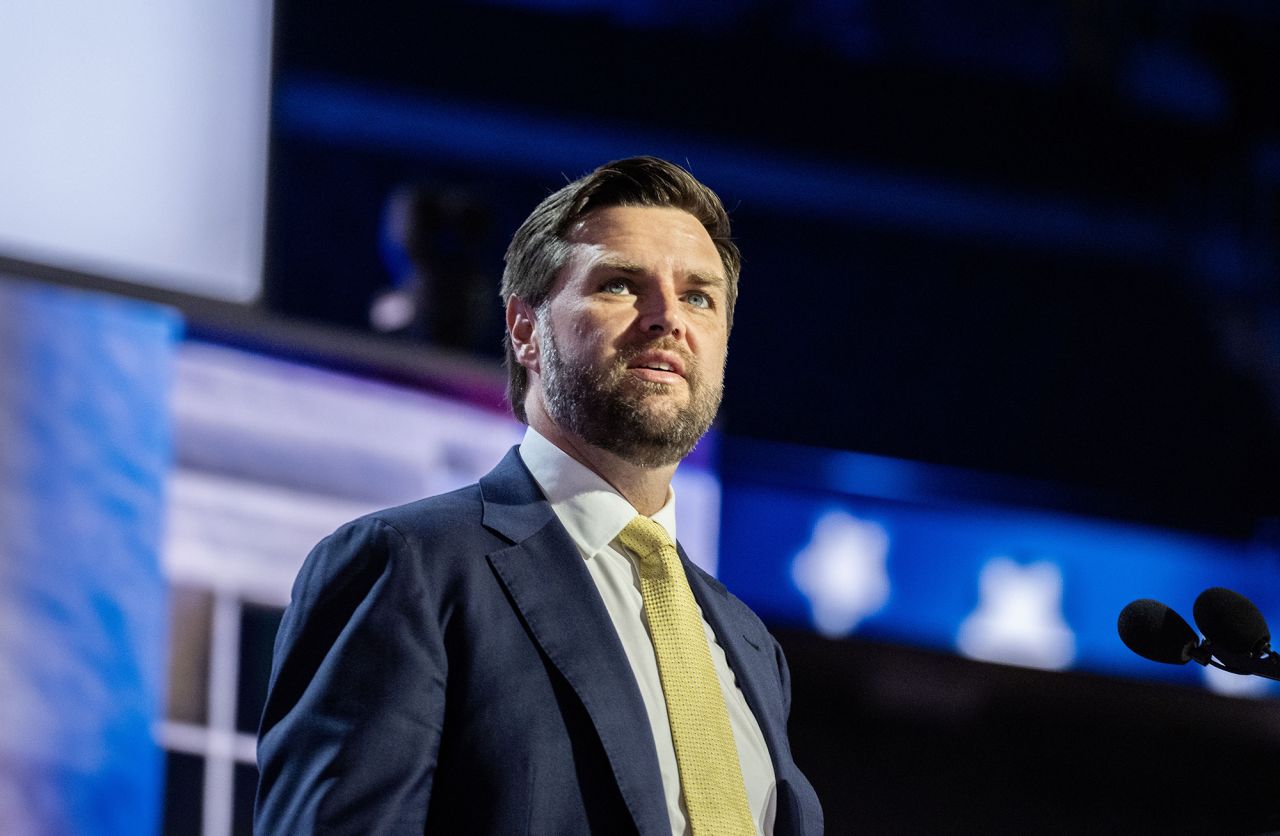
(634, 419)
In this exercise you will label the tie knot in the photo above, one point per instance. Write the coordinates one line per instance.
(646, 538)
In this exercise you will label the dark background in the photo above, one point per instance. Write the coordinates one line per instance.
(1032, 239)
(1060, 261)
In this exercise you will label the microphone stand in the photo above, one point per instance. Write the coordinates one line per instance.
(1266, 665)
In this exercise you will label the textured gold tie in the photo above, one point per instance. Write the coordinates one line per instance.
(710, 774)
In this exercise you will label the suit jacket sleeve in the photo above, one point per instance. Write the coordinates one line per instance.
(352, 725)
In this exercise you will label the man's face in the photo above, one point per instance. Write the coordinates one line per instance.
(634, 334)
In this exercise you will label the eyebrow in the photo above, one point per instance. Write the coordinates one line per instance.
(621, 265)
(705, 280)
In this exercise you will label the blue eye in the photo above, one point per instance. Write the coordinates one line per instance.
(698, 299)
(617, 287)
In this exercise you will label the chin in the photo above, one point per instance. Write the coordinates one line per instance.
(664, 400)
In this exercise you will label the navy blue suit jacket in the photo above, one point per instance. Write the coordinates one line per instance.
(448, 666)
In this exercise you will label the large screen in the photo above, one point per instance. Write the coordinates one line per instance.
(135, 140)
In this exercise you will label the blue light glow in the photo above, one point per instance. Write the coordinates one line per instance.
(991, 580)
(84, 454)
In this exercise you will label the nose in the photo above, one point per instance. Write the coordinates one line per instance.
(660, 313)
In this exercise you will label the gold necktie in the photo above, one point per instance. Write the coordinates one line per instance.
(710, 774)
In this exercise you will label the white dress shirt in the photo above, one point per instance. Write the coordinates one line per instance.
(594, 514)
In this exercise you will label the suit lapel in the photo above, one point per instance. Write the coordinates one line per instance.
(550, 585)
(749, 651)
(745, 646)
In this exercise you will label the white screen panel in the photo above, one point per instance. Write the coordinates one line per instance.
(134, 139)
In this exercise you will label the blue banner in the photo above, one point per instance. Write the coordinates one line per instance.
(892, 551)
(84, 452)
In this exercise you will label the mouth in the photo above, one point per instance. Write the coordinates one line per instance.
(657, 366)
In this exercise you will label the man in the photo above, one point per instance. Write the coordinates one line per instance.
(531, 654)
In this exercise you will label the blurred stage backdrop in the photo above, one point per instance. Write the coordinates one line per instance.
(1007, 357)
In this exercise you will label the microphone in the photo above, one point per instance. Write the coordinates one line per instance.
(1237, 638)
(1231, 622)
(1154, 631)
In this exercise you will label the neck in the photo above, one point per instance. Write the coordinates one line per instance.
(645, 488)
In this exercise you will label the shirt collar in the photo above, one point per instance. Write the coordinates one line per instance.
(590, 509)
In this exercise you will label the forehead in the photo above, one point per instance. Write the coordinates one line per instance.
(656, 238)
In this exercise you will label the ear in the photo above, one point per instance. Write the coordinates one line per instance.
(522, 327)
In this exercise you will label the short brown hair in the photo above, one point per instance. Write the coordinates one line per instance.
(539, 250)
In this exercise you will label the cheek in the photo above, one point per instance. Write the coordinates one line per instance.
(719, 364)
(712, 349)
(608, 335)
(588, 342)
(590, 326)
